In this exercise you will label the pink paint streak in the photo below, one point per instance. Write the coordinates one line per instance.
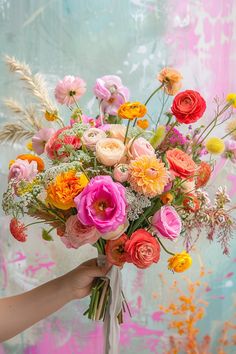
(32, 270)
(19, 257)
(229, 275)
(158, 316)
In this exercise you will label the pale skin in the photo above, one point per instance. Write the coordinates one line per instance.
(20, 312)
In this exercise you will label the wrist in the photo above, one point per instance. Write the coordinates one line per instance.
(64, 289)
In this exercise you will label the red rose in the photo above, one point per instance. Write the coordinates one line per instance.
(191, 203)
(188, 106)
(142, 249)
(181, 164)
(115, 252)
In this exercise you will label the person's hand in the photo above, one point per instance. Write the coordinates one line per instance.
(79, 281)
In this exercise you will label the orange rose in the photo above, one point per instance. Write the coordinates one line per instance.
(65, 188)
(29, 157)
(114, 250)
(132, 110)
(181, 164)
(171, 79)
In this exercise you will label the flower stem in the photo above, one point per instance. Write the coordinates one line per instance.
(76, 103)
(225, 136)
(154, 92)
(164, 248)
(40, 222)
(127, 129)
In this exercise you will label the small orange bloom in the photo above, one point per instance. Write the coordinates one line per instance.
(50, 116)
(191, 203)
(29, 157)
(115, 251)
(65, 188)
(29, 145)
(143, 124)
(167, 198)
(180, 262)
(204, 174)
(132, 110)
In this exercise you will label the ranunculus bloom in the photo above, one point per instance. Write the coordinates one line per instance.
(188, 106)
(23, 170)
(59, 143)
(65, 188)
(167, 222)
(109, 151)
(40, 139)
(143, 123)
(181, 164)
(69, 90)
(140, 146)
(115, 252)
(142, 249)
(113, 235)
(117, 131)
(132, 110)
(91, 137)
(121, 173)
(171, 79)
(110, 90)
(102, 204)
(18, 230)
(77, 234)
(191, 203)
(180, 262)
(204, 173)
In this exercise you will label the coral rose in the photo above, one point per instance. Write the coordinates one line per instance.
(109, 151)
(142, 249)
(140, 146)
(132, 110)
(188, 106)
(102, 204)
(167, 222)
(77, 234)
(115, 251)
(65, 188)
(181, 164)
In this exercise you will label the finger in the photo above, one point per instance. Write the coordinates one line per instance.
(94, 271)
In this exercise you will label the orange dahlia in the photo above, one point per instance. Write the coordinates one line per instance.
(65, 188)
(29, 157)
(147, 175)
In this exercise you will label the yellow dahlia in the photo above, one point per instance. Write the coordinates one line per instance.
(147, 175)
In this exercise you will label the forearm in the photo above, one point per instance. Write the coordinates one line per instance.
(19, 312)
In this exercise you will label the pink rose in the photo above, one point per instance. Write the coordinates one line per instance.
(91, 137)
(167, 222)
(102, 204)
(109, 151)
(76, 234)
(40, 139)
(140, 146)
(121, 173)
(23, 170)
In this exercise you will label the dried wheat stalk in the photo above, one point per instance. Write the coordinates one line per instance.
(11, 132)
(35, 83)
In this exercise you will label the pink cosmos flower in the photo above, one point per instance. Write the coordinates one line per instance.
(102, 204)
(167, 222)
(23, 170)
(110, 90)
(76, 234)
(40, 138)
(69, 90)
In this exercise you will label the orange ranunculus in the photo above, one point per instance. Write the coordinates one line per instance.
(167, 198)
(29, 157)
(51, 116)
(65, 188)
(115, 252)
(180, 262)
(204, 174)
(181, 164)
(143, 123)
(191, 203)
(171, 79)
(132, 110)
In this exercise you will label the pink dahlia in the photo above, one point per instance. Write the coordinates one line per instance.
(102, 204)
(110, 90)
(69, 90)
(40, 138)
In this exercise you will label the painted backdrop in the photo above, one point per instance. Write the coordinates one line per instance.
(134, 39)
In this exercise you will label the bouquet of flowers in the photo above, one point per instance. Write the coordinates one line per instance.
(123, 181)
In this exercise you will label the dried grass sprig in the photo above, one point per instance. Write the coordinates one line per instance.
(35, 83)
(13, 133)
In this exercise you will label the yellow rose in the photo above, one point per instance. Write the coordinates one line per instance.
(180, 262)
(109, 151)
(132, 110)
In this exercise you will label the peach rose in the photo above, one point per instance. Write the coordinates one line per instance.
(171, 79)
(117, 131)
(109, 151)
(92, 136)
(140, 146)
(113, 235)
(181, 164)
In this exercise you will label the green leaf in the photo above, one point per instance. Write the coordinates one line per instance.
(46, 235)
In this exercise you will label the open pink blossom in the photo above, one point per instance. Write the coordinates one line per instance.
(23, 170)
(110, 90)
(102, 204)
(40, 139)
(77, 234)
(69, 90)
(167, 222)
